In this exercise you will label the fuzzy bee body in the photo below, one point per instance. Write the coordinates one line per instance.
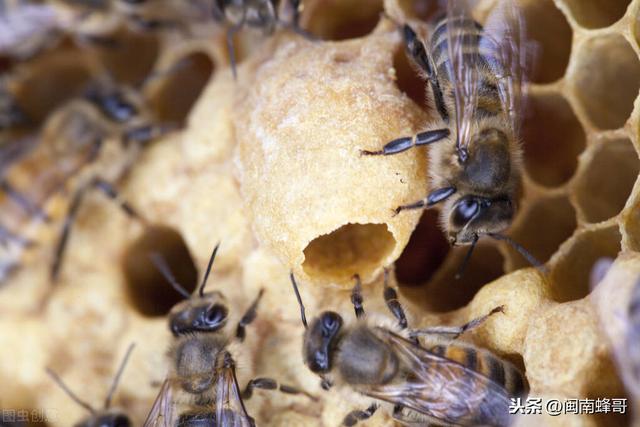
(262, 15)
(70, 150)
(380, 363)
(432, 381)
(484, 165)
(201, 388)
(476, 77)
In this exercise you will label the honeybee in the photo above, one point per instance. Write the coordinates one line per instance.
(71, 144)
(626, 345)
(259, 14)
(203, 371)
(105, 417)
(425, 376)
(477, 79)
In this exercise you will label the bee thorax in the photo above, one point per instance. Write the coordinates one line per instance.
(365, 359)
(194, 358)
(488, 165)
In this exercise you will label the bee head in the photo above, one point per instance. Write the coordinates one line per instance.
(320, 341)
(113, 104)
(106, 419)
(474, 215)
(207, 313)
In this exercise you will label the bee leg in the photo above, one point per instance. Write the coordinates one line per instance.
(248, 317)
(110, 191)
(29, 207)
(232, 55)
(356, 415)
(145, 133)
(271, 384)
(403, 144)
(356, 297)
(416, 50)
(436, 196)
(394, 306)
(455, 331)
(294, 25)
(72, 212)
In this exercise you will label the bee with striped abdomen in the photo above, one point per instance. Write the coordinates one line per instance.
(203, 372)
(71, 151)
(105, 417)
(476, 75)
(259, 14)
(424, 377)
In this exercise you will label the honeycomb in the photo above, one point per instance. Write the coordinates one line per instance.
(269, 166)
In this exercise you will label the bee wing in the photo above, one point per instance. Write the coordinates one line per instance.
(162, 411)
(442, 389)
(505, 37)
(462, 69)
(229, 407)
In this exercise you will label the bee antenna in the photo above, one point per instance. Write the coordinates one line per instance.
(116, 379)
(206, 274)
(295, 289)
(160, 263)
(467, 257)
(518, 247)
(67, 390)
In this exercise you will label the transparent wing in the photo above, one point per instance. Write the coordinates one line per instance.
(230, 410)
(463, 67)
(162, 411)
(443, 389)
(505, 36)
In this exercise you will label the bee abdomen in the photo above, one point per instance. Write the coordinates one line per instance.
(207, 419)
(502, 373)
(195, 419)
(477, 51)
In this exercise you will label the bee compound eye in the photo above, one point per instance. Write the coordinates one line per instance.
(466, 209)
(320, 361)
(330, 322)
(215, 315)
